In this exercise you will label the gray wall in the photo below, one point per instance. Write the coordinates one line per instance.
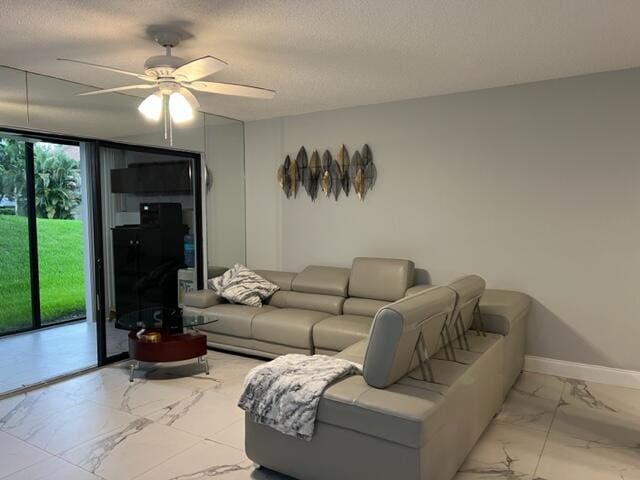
(535, 187)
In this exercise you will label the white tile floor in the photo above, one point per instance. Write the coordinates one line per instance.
(166, 427)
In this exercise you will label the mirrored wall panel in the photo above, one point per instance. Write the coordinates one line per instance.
(45, 104)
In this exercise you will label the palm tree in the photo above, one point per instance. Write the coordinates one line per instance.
(12, 170)
(57, 178)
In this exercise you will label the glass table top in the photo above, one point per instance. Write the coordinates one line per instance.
(161, 318)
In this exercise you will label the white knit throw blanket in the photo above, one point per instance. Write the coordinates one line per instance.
(284, 394)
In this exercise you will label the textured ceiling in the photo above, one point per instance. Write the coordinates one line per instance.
(326, 54)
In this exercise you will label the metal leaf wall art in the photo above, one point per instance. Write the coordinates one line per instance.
(331, 176)
(343, 163)
(314, 174)
(325, 177)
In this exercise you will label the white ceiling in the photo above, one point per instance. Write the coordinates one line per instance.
(327, 54)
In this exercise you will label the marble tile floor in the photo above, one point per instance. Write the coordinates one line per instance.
(166, 426)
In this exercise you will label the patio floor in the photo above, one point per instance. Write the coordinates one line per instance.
(33, 357)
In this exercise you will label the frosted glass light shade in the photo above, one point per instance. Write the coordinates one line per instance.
(151, 107)
(180, 109)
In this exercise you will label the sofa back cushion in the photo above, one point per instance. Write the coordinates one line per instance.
(380, 278)
(468, 291)
(322, 280)
(390, 353)
(307, 301)
(282, 279)
(362, 306)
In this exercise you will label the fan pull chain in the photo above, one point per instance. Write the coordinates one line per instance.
(165, 111)
(168, 125)
(170, 131)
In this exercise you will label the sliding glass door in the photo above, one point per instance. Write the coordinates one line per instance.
(47, 324)
(60, 232)
(41, 233)
(16, 313)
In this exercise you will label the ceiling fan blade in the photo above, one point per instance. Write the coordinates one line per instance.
(200, 68)
(110, 69)
(231, 89)
(191, 98)
(116, 89)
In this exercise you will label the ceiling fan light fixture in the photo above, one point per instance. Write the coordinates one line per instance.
(180, 108)
(151, 107)
(173, 80)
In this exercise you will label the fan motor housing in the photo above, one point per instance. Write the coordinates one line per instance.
(162, 65)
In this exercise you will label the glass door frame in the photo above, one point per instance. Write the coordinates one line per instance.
(32, 228)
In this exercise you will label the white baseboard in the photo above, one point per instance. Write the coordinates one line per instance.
(583, 371)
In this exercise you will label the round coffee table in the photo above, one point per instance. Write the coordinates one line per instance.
(159, 334)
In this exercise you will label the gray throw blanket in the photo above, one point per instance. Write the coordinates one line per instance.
(284, 393)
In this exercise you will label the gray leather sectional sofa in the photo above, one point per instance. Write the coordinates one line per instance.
(402, 418)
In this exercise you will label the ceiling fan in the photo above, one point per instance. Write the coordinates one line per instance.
(173, 78)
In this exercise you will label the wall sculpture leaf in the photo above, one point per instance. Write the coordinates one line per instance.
(343, 161)
(303, 169)
(314, 174)
(336, 179)
(294, 177)
(369, 169)
(286, 181)
(356, 174)
(325, 177)
(280, 176)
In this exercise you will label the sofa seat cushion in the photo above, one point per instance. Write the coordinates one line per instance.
(287, 326)
(402, 417)
(479, 343)
(355, 352)
(337, 333)
(413, 412)
(233, 319)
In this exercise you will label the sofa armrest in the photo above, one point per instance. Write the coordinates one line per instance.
(202, 299)
(500, 309)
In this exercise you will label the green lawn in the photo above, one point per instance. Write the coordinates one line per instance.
(60, 250)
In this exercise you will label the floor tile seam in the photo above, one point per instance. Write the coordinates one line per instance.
(546, 438)
(32, 446)
(93, 437)
(115, 430)
(170, 456)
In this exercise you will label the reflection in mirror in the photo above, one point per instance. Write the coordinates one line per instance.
(225, 191)
(149, 236)
(13, 97)
(53, 106)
